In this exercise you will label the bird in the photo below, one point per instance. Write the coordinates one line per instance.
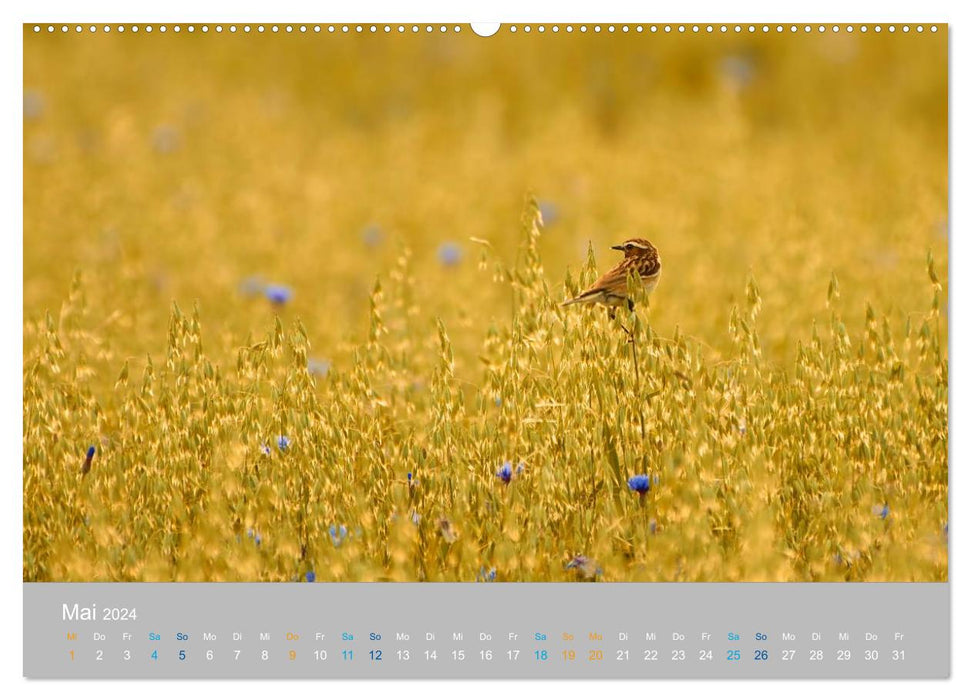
(610, 289)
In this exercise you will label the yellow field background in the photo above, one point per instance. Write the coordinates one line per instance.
(428, 199)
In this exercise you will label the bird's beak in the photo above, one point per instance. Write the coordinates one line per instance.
(617, 247)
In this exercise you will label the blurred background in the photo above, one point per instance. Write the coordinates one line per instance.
(205, 167)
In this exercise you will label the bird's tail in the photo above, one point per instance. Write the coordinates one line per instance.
(587, 297)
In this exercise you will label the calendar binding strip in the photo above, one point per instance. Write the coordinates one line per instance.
(378, 29)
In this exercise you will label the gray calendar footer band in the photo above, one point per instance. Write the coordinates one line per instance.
(491, 630)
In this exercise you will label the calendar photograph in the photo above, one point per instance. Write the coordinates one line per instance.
(403, 303)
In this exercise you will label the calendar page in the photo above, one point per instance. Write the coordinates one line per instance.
(538, 350)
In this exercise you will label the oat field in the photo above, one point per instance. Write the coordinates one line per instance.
(300, 294)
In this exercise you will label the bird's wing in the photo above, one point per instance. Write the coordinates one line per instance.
(612, 282)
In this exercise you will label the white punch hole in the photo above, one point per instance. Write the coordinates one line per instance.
(485, 28)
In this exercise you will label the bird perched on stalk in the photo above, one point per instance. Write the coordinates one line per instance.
(640, 257)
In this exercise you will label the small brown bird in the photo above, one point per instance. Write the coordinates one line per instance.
(611, 289)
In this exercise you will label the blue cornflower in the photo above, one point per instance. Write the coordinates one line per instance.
(265, 449)
(87, 461)
(372, 236)
(337, 535)
(449, 254)
(641, 483)
(279, 294)
(549, 211)
(486, 576)
(883, 511)
(319, 368)
(311, 577)
(738, 71)
(505, 472)
(585, 566)
(283, 443)
(258, 539)
(520, 468)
